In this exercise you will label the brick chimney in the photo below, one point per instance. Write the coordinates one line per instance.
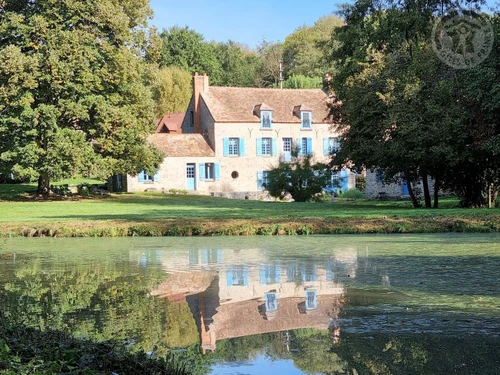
(200, 84)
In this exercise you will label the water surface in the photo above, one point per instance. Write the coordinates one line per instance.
(420, 304)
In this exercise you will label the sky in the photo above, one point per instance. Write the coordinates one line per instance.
(246, 22)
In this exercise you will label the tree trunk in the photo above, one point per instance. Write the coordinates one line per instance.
(414, 199)
(436, 192)
(43, 184)
(427, 195)
(489, 195)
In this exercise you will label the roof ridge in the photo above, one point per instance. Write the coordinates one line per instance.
(261, 88)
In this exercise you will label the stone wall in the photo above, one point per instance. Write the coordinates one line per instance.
(376, 189)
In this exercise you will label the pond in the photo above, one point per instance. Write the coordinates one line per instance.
(420, 304)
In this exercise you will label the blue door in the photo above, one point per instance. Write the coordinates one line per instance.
(191, 176)
(344, 181)
(405, 188)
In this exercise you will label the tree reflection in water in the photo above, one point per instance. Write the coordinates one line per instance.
(237, 309)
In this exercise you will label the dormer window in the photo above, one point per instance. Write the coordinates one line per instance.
(265, 114)
(266, 119)
(304, 113)
(306, 119)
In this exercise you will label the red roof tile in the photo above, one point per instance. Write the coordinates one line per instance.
(181, 144)
(237, 104)
(171, 121)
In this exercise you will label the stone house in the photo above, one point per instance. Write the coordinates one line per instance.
(230, 137)
(376, 188)
(230, 295)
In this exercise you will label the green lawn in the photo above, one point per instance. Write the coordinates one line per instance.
(21, 210)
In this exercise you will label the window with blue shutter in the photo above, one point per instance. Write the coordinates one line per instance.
(266, 146)
(269, 274)
(209, 171)
(233, 146)
(237, 275)
(308, 273)
(143, 176)
(260, 179)
(304, 146)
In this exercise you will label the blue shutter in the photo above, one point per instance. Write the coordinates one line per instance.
(345, 180)
(263, 275)
(290, 273)
(259, 146)
(202, 172)
(219, 256)
(274, 147)
(309, 146)
(217, 171)
(245, 277)
(299, 146)
(260, 177)
(141, 176)
(204, 256)
(326, 146)
(242, 146)
(156, 177)
(229, 277)
(278, 274)
(225, 145)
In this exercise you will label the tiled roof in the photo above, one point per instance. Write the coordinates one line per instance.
(181, 144)
(172, 121)
(237, 104)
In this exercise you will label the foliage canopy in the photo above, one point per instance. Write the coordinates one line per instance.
(75, 88)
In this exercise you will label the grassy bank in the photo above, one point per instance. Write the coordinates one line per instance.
(26, 351)
(156, 214)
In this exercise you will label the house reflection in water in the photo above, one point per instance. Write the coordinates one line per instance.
(232, 295)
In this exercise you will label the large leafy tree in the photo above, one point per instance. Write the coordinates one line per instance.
(172, 90)
(239, 64)
(304, 49)
(188, 50)
(74, 88)
(407, 112)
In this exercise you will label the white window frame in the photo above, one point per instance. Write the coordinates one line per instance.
(306, 120)
(266, 119)
(333, 144)
(267, 143)
(210, 171)
(234, 146)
